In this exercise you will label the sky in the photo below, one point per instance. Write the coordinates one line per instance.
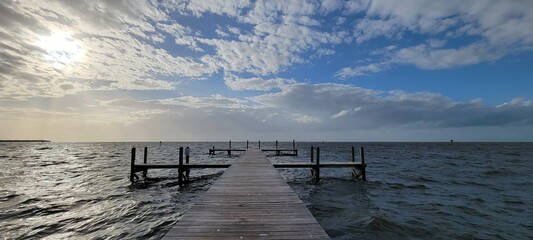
(209, 70)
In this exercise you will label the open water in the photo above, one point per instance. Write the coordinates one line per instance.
(414, 190)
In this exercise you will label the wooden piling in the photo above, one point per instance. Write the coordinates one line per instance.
(363, 165)
(246, 144)
(312, 152)
(354, 171)
(180, 169)
(317, 170)
(145, 172)
(132, 173)
(276, 144)
(293, 144)
(229, 149)
(187, 170)
(312, 157)
(259, 144)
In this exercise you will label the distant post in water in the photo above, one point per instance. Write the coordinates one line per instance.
(145, 154)
(259, 144)
(312, 153)
(317, 170)
(187, 152)
(132, 174)
(187, 171)
(353, 160)
(363, 165)
(229, 149)
(246, 144)
(180, 168)
(293, 144)
(145, 161)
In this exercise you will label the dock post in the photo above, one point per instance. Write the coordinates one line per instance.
(145, 172)
(312, 152)
(277, 152)
(363, 165)
(132, 173)
(317, 171)
(312, 168)
(246, 144)
(293, 145)
(180, 168)
(187, 170)
(276, 144)
(259, 144)
(229, 149)
(353, 161)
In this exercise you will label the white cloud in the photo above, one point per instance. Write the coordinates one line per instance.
(230, 8)
(426, 57)
(364, 70)
(328, 111)
(355, 6)
(350, 107)
(340, 114)
(367, 29)
(115, 39)
(256, 83)
(302, 118)
(330, 5)
(492, 28)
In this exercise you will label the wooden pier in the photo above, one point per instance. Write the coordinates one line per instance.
(249, 201)
(279, 151)
(184, 166)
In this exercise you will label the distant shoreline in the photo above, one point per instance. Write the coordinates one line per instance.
(25, 141)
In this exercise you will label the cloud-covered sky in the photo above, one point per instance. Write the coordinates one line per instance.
(334, 70)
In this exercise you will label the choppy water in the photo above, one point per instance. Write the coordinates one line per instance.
(415, 190)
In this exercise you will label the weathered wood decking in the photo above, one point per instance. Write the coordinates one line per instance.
(249, 201)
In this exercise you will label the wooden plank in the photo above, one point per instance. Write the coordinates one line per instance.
(227, 149)
(322, 165)
(282, 150)
(190, 165)
(249, 201)
(140, 167)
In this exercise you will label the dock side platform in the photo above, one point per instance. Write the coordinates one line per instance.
(249, 201)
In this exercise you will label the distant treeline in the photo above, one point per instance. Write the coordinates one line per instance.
(25, 140)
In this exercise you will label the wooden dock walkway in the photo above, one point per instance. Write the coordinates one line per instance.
(249, 201)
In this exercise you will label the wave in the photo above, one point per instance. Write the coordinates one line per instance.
(406, 186)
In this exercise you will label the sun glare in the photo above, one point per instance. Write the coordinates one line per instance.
(61, 49)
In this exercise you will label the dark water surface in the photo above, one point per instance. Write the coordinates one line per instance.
(415, 190)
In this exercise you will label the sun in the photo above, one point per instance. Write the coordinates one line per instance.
(61, 49)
